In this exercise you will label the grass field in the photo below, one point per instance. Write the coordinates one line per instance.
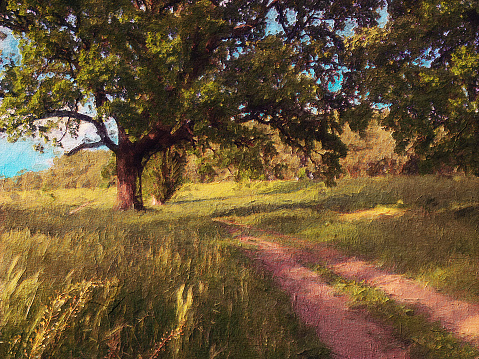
(80, 280)
(90, 282)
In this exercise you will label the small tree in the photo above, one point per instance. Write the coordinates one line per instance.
(176, 74)
(163, 174)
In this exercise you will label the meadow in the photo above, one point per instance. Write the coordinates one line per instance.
(81, 280)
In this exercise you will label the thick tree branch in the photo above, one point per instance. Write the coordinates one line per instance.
(83, 146)
(161, 138)
(71, 114)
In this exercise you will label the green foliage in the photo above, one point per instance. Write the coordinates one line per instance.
(371, 152)
(421, 65)
(259, 161)
(182, 73)
(164, 174)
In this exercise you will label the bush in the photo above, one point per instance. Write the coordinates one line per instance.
(163, 175)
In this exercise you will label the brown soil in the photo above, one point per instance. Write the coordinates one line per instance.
(352, 333)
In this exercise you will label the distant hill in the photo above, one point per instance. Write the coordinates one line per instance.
(82, 170)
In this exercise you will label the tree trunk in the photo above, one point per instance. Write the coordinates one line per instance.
(128, 169)
(131, 158)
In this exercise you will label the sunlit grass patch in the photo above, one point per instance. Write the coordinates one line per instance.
(224, 199)
(371, 214)
(223, 190)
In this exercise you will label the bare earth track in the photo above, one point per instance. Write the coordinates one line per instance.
(352, 334)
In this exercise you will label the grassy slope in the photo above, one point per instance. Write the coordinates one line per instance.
(425, 227)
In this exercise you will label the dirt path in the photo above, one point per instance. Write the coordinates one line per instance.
(458, 317)
(351, 333)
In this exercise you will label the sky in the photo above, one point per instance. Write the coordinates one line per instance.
(21, 155)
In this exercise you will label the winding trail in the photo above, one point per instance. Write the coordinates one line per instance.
(352, 334)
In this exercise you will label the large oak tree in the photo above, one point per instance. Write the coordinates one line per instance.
(177, 73)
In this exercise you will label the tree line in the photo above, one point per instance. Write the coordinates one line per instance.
(370, 154)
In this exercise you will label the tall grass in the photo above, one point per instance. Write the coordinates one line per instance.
(103, 284)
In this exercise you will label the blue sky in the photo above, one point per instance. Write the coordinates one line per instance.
(19, 156)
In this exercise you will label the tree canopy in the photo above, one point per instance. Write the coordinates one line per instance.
(423, 66)
(182, 74)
